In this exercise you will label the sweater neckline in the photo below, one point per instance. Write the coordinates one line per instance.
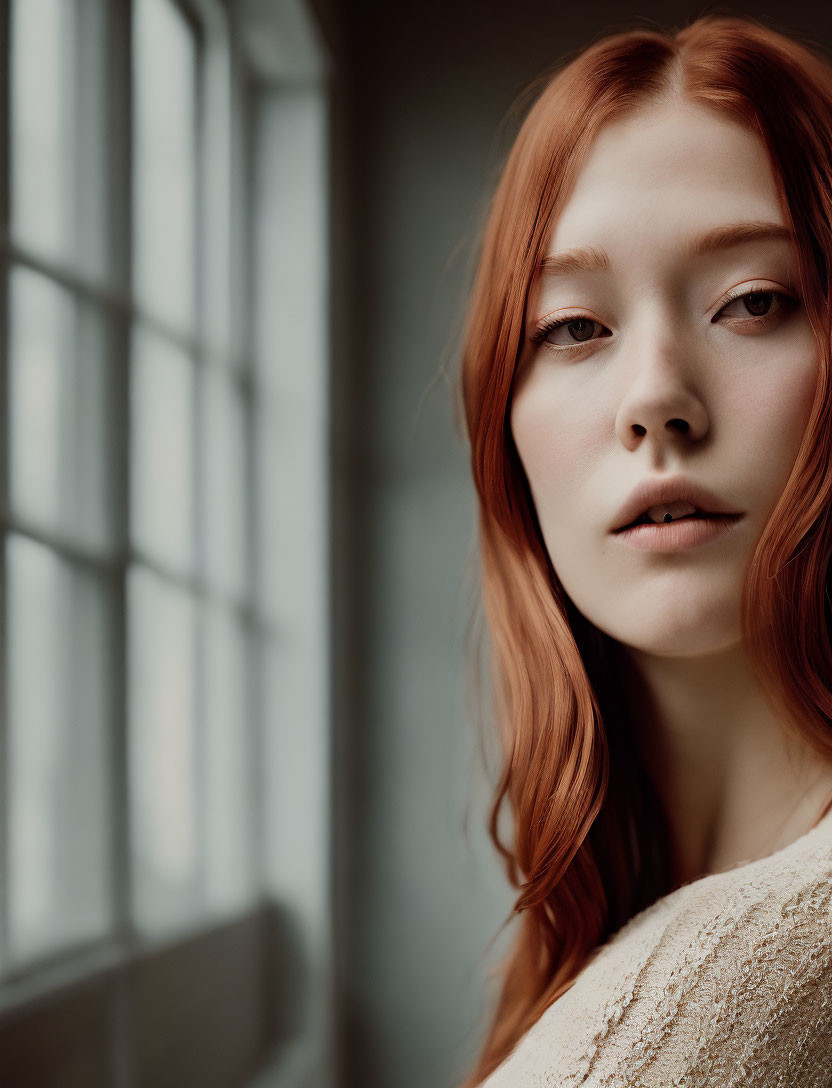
(821, 827)
(738, 871)
(823, 824)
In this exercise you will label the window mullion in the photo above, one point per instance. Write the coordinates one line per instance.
(200, 497)
(118, 209)
(243, 345)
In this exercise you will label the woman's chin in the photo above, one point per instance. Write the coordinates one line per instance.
(684, 624)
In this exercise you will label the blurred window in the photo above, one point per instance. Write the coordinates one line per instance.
(129, 804)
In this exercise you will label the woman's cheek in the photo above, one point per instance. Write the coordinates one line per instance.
(772, 411)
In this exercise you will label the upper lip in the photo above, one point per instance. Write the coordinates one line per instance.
(656, 490)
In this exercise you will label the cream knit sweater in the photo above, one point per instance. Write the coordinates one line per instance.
(724, 982)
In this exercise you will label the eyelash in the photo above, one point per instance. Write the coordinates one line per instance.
(788, 302)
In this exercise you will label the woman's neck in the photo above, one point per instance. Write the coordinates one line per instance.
(736, 787)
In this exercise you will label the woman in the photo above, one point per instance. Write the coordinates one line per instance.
(646, 383)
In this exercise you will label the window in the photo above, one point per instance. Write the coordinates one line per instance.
(61, 532)
(131, 626)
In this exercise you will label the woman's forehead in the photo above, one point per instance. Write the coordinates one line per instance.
(660, 172)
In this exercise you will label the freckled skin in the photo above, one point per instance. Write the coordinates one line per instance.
(589, 426)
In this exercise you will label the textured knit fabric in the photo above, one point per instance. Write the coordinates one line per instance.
(725, 981)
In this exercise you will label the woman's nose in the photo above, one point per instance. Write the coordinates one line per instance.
(660, 401)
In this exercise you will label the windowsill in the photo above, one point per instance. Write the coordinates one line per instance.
(44, 980)
(198, 1010)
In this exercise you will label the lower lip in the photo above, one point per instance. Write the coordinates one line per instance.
(675, 536)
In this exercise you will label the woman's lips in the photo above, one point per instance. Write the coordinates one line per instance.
(675, 536)
(677, 511)
(679, 492)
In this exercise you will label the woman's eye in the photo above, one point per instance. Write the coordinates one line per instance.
(569, 332)
(754, 306)
(760, 304)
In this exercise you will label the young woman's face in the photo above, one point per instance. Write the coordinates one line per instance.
(661, 374)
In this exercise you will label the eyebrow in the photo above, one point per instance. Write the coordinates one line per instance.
(597, 260)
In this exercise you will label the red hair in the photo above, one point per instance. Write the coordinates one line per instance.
(588, 846)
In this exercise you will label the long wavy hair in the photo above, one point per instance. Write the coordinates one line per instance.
(588, 846)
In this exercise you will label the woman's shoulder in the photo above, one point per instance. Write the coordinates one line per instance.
(729, 981)
(726, 980)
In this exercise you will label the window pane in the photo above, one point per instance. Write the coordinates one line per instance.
(161, 461)
(162, 752)
(61, 412)
(223, 444)
(42, 128)
(57, 129)
(59, 667)
(229, 800)
(164, 65)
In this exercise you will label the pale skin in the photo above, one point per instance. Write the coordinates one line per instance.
(590, 422)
